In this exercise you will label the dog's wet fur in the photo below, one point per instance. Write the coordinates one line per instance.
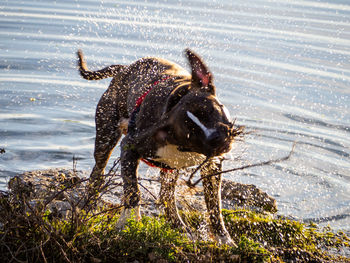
(169, 117)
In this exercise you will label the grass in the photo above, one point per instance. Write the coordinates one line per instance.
(33, 231)
(36, 234)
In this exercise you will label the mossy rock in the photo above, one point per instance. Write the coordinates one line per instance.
(93, 237)
(44, 184)
(30, 230)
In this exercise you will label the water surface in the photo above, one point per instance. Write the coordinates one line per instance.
(281, 67)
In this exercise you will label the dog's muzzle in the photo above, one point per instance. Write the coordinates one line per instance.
(219, 141)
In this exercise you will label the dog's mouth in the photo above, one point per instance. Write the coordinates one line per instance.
(220, 142)
(219, 148)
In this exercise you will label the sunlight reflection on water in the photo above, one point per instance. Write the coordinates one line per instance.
(281, 68)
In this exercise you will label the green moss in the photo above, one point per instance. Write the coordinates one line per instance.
(152, 238)
(264, 238)
(285, 239)
(39, 235)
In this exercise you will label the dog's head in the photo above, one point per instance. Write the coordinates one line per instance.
(196, 120)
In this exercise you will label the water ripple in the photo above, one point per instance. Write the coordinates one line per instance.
(281, 67)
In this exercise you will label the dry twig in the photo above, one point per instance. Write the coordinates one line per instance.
(269, 162)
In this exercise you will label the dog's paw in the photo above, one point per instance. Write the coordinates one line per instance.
(126, 214)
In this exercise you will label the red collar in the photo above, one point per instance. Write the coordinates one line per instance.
(143, 96)
(136, 108)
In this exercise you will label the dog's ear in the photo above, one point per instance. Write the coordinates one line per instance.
(201, 76)
(175, 96)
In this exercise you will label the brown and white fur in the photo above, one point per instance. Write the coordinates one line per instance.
(178, 123)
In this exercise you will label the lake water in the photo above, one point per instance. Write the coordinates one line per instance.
(281, 67)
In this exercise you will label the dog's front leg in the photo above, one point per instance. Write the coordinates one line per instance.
(131, 197)
(167, 198)
(212, 196)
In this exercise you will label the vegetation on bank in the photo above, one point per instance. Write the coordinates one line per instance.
(34, 233)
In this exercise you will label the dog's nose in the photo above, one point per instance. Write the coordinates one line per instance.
(214, 138)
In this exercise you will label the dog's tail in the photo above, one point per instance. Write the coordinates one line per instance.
(107, 72)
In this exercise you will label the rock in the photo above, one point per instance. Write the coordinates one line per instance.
(247, 196)
(40, 184)
(58, 190)
(62, 190)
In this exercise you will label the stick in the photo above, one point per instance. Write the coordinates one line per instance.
(285, 158)
(188, 182)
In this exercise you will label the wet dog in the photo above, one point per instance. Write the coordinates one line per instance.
(171, 119)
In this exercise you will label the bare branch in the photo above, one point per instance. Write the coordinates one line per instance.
(155, 198)
(269, 162)
(188, 181)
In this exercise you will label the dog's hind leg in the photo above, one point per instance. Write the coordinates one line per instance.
(167, 198)
(212, 196)
(131, 191)
(108, 134)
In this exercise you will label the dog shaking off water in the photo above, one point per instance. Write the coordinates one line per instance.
(171, 119)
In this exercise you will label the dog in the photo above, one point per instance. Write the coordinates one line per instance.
(171, 119)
